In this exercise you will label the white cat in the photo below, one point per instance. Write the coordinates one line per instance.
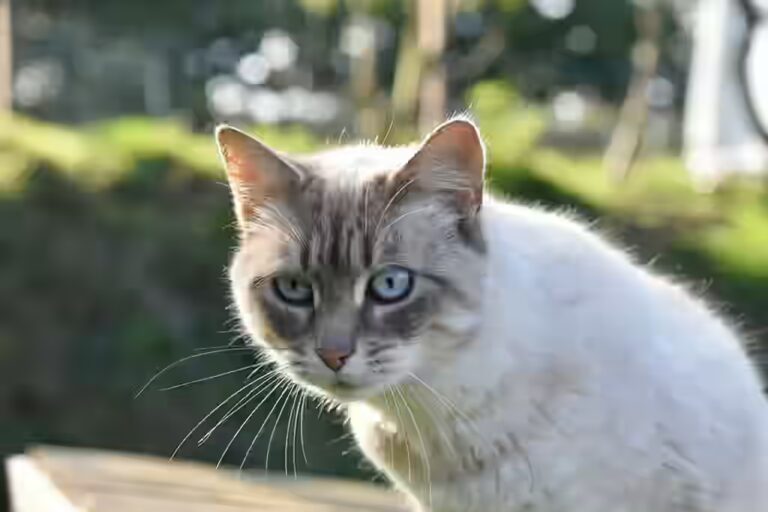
(491, 356)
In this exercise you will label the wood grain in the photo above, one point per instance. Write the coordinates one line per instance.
(75, 480)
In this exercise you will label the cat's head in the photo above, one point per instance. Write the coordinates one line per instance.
(359, 266)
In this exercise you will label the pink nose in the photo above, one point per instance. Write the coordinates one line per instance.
(333, 358)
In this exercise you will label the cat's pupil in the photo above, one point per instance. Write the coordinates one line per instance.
(390, 282)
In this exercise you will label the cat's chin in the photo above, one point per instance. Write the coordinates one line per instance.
(343, 392)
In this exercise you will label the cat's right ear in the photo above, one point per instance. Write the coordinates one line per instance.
(256, 174)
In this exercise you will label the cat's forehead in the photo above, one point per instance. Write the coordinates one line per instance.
(343, 220)
(355, 164)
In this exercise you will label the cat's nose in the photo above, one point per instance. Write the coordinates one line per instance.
(334, 358)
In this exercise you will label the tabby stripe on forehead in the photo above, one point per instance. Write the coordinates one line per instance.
(373, 202)
(346, 248)
(333, 241)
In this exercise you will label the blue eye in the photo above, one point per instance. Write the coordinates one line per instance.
(295, 290)
(391, 284)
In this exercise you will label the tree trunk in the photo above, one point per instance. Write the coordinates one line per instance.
(405, 89)
(627, 138)
(6, 57)
(431, 22)
(364, 80)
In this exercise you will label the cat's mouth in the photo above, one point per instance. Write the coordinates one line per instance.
(341, 386)
(346, 391)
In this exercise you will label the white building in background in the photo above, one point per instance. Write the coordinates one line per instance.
(726, 121)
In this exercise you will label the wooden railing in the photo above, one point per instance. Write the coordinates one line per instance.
(74, 480)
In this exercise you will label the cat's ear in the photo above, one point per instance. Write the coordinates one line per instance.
(255, 172)
(450, 160)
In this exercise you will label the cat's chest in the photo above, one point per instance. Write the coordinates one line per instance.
(462, 462)
(447, 448)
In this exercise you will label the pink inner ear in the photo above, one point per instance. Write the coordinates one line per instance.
(453, 157)
(244, 179)
(243, 172)
(254, 171)
(451, 161)
(460, 141)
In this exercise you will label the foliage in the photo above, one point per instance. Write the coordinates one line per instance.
(511, 127)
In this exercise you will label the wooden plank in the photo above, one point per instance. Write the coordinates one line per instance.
(31, 489)
(96, 481)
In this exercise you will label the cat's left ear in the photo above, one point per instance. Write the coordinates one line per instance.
(450, 160)
(257, 175)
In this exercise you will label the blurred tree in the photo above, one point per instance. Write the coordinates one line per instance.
(407, 73)
(627, 139)
(432, 17)
(6, 56)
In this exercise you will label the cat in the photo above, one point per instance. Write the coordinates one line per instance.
(490, 356)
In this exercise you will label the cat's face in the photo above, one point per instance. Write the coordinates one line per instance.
(361, 266)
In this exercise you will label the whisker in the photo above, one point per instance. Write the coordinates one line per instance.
(436, 421)
(274, 427)
(365, 211)
(515, 441)
(390, 440)
(391, 202)
(227, 346)
(424, 452)
(251, 395)
(292, 412)
(389, 129)
(301, 425)
(242, 425)
(399, 218)
(182, 360)
(401, 423)
(204, 379)
(210, 413)
(288, 429)
(261, 365)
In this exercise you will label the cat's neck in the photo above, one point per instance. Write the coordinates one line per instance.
(461, 430)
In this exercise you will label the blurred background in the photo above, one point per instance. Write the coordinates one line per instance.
(115, 223)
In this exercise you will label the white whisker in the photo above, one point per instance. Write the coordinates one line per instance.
(401, 217)
(436, 422)
(277, 422)
(301, 425)
(401, 424)
(492, 449)
(424, 453)
(251, 395)
(242, 425)
(391, 202)
(210, 413)
(182, 360)
(204, 379)
(291, 413)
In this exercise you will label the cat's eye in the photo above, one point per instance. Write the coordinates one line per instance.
(293, 289)
(390, 284)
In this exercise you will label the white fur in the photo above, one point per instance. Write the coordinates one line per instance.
(592, 385)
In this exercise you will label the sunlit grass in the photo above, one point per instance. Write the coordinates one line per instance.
(100, 154)
(730, 226)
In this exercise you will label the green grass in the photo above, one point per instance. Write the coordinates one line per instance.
(99, 155)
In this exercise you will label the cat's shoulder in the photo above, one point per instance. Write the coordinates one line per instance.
(502, 216)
